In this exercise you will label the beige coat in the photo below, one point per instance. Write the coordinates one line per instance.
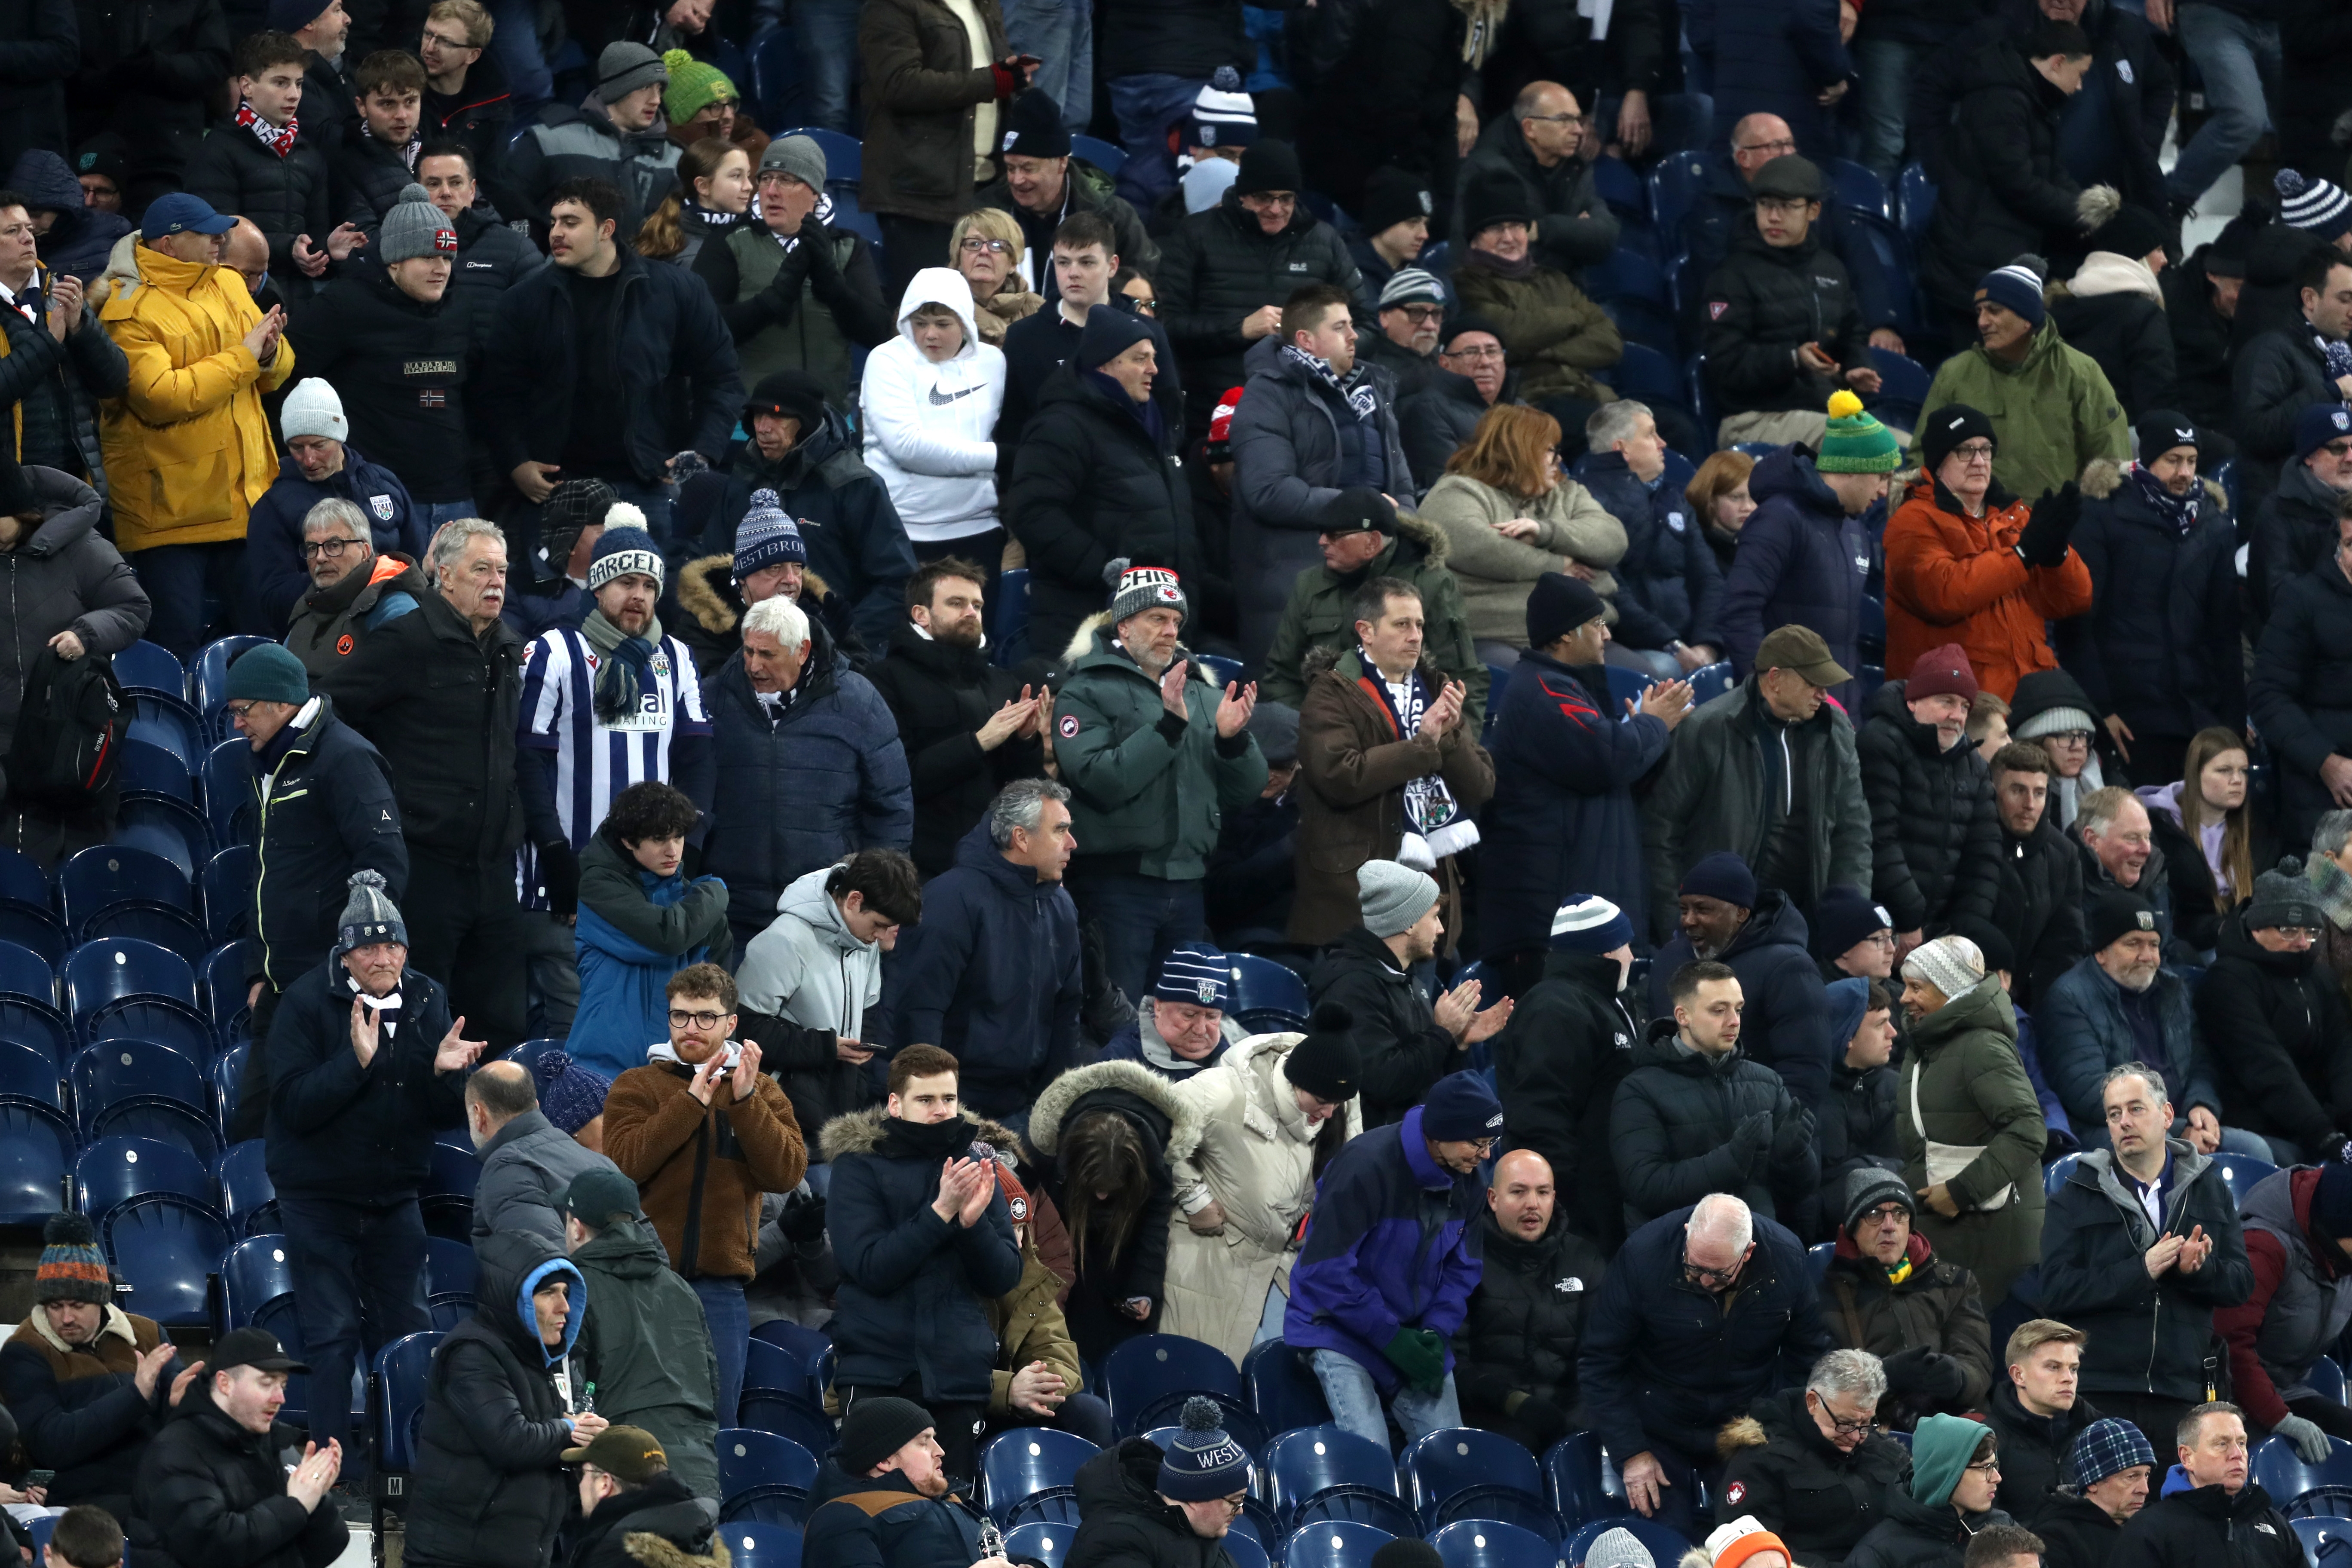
(1497, 573)
(1253, 1157)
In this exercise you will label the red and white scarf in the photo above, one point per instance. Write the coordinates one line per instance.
(278, 139)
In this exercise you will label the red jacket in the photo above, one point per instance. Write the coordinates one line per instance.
(1954, 578)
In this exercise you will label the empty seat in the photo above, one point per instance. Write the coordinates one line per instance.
(447, 1198)
(1147, 1378)
(228, 1084)
(1282, 1392)
(150, 667)
(1008, 637)
(1268, 995)
(37, 1153)
(1336, 1545)
(759, 1544)
(97, 972)
(149, 770)
(25, 973)
(108, 875)
(230, 808)
(35, 926)
(1028, 1461)
(165, 1248)
(1105, 155)
(1046, 1543)
(113, 1072)
(1443, 1468)
(790, 1416)
(249, 1197)
(395, 1398)
(226, 886)
(845, 155)
(1490, 1544)
(763, 1477)
(113, 1170)
(222, 984)
(254, 1273)
(1314, 1461)
(28, 1023)
(31, 1072)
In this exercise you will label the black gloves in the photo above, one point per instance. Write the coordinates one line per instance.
(2043, 540)
(1925, 1378)
(1752, 1137)
(1794, 1135)
(803, 1219)
(559, 873)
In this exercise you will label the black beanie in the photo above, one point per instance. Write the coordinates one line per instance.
(1466, 321)
(1326, 1064)
(1268, 166)
(1033, 127)
(16, 489)
(2160, 430)
(796, 393)
(1392, 196)
(1556, 605)
(1496, 195)
(1999, 952)
(2132, 232)
(1110, 332)
(2115, 914)
(1948, 427)
(877, 1428)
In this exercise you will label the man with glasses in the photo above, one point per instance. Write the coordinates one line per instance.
(1700, 1312)
(2295, 529)
(1043, 186)
(2287, 1076)
(2119, 1005)
(705, 1135)
(2296, 692)
(353, 590)
(1888, 1292)
(1541, 140)
(466, 100)
(278, 569)
(1411, 305)
(1811, 1465)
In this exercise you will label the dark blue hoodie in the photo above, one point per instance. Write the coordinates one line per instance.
(78, 240)
(1802, 560)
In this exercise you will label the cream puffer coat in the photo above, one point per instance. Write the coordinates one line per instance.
(1254, 1158)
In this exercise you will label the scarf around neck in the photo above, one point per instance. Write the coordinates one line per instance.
(1520, 270)
(2336, 353)
(1355, 391)
(2179, 510)
(712, 218)
(1438, 827)
(278, 139)
(626, 663)
(408, 148)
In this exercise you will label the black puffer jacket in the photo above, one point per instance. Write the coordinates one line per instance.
(1765, 300)
(1219, 267)
(65, 577)
(1396, 1032)
(2040, 905)
(1514, 1354)
(1786, 1024)
(1556, 1066)
(492, 257)
(2033, 1448)
(1436, 420)
(1937, 1307)
(2005, 191)
(1685, 1124)
(338, 1130)
(2272, 380)
(283, 197)
(2126, 335)
(1124, 1525)
(2077, 1533)
(2208, 1527)
(330, 811)
(2288, 1069)
(1934, 834)
(490, 1486)
(366, 177)
(2294, 531)
(1817, 1498)
(941, 695)
(2201, 342)
(1859, 1130)
(210, 1492)
(1091, 483)
(2314, 85)
(1914, 1535)
(2301, 693)
(401, 366)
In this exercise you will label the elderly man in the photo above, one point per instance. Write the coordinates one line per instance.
(1146, 817)
(1811, 1465)
(326, 808)
(1179, 1027)
(353, 591)
(1043, 188)
(1725, 914)
(1888, 1292)
(363, 1055)
(808, 764)
(454, 770)
(1936, 834)
(1409, 310)
(2116, 1005)
(2295, 532)
(59, 362)
(2153, 1199)
(527, 1162)
(2040, 900)
(2116, 848)
(2221, 1515)
(1437, 419)
(1700, 1312)
(326, 467)
(2295, 692)
(2109, 1468)
(1541, 141)
(187, 448)
(1515, 1364)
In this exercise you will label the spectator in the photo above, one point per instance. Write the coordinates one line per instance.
(2287, 1076)
(59, 360)
(1888, 1292)
(935, 103)
(1977, 1169)
(323, 34)
(2201, 304)
(2208, 832)
(90, 1386)
(1694, 811)
(2052, 713)
(325, 808)
(1857, 1134)
(1808, 1463)
(459, 811)
(2000, 963)
(1669, 599)
(812, 980)
(1408, 307)
(640, 921)
(1967, 561)
(378, 154)
(632, 1505)
(2295, 532)
(1987, 725)
(2195, 1257)
(2152, 535)
(350, 591)
(469, 99)
(1806, 552)
(1145, 819)
(274, 170)
(1564, 769)
(809, 764)
(1102, 1133)
(615, 136)
(1516, 1369)
(892, 1441)
(2218, 1506)
(497, 1414)
(200, 357)
(642, 1338)
(1723, 913)
(936, 457)
(2324, 869)
(1037, 1372)
(969, 727)
(1560, 1066)
(1042, 187)
(2117, 1007)
(73, 596)
(1784, 321)
(1542, 140)
(2040, 901)
(1178, 1029)
(573, 1099)
(1439, 417)
(1253, 872)
(700, 103)
(1690, 1278)
(2112, 308)
(278, 568)
(1556, 336)
(1097, 478)
(986, 248)
(491, 258)
(1852, 936)
(1934, 826)
(1383, 1280)
(1273, 1113)
(2279, 374)
(713, 192)
(2109, 1472)
(661, 332)
(1230, 276)
(384, 1076)
(2119, 853)
(1692, 1117)
(924, 1237)
(1147, 1504)
(659, 1120)
(2039, 1413)
(141, 98)
(1948, 1499)
(2302, 1273)
(527, 1162)
(799, 292)
(2292, 692)
(993, 973)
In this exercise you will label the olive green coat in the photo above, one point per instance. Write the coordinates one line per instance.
(1973, 1091)
(1496, 572)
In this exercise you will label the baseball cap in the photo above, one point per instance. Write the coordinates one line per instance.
(631, 1452)
(256, 1348)
(1800, 648)
(180, 213)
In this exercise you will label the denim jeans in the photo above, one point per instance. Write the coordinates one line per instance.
(1884, 67)
(177, 577)
(1141, 918)
(1061, 33)
(731, 1337)
(1355, 1401)
(431, 515)
(1269, 1321)
(2240, 59)
(1147, 104)
(825, 35)
(359, 1276)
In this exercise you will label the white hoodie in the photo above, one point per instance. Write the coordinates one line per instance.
(928, 425)
(807, 967)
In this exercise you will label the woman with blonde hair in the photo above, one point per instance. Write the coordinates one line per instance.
(1510, 515)
(712, 194)
(2210, 835)
(987, 250)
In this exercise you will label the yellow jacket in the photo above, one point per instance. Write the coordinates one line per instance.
(187, 447)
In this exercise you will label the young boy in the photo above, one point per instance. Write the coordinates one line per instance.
(379, 156)
(260, 168)
(641, 922)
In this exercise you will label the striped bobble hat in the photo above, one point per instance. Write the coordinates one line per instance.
(1204, 1462)
(1588, 922)
(1222, 114)
(766, 536)
(1856, 443)
(72, 1268)
(1197, 974)
(2315, 204)
(2016, 288)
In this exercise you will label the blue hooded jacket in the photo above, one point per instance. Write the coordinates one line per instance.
(623, 1006)
(1801, 558)
(1391, 1246)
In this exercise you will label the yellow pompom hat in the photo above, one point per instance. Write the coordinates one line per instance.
(1856, 443)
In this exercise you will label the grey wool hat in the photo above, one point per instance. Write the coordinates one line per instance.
(624, 66)
(2284, 897)
(798, 156)
(369, 915)
(1392, 897)
(414, 227)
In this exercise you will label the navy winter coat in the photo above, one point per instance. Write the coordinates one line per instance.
(338, 1130)
(330, 812)
(275, 577)
(2302, 690)
(1563, 818)
(991, 974)
(825, 778)
(1801, 559)
(1772, 57)
(1667, 586)
(1786, 1022)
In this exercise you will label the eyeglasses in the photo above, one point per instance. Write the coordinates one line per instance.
(2298, 933)
(679, 1018)
(1421, 315)
(445, 41)
(1711, 1278)
(1846, 1424)
(1775, 148)
(1555, 119)
(313, 549)
(2070, 737)
(1974, 451)
(1882, 939)
(1272, 201)
(1485, 353)
(2339, 450)
(1887, 1214)
(976, 245)
(1783, 206)
(236, 710)
(1148, 307)
(1987, 1467)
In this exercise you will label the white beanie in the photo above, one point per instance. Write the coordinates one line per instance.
(1952, 964)
(313, 409)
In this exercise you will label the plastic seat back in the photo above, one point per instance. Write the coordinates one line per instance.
(1491, 1543)
(1438, 1466)
(113, 1170)
(397, 1393)
(1015, 1464)
(149, 770)
(1041, 1543)
(1104, 155)
(249, 1197)
(165, 1248)
(230, 807)
(1282, 1392)
(97, 972)
(31, 1072)
(227, 885)
(150, 667)
(1341, 1544)
(25, 973)
(845, 155)
(106, 876)
(1150, 1369)
(767, 1474)
(37, 1153)
(1268, 995)
(1301, 1464)
(253, 1273)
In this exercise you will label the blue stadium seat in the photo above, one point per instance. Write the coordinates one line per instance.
(112, 1071)
(1677, 183)
(1339, 1545)
(1268, 995)
(1579, 1479)
(29, 1071)
(22, 880)
(775, 75)
(1440, 1469)
(1902, 389)
(2054, 1175)
(26, 1022)
(1884, 242)
(24, 973)
(449, 1276)
(2279, 1470)
(1859, 189)
(1499, 681)
(529, 1051)
(1701, 398)
(1357, 1504)
(397, 1394)
(1146, 1378)
(229, 804)
(254, 1273)
(848, 214)
(169, 928)
(1220, 671)
(165, 1248)
(1244, 1550)
(113, 1170)
(222, 986)
(1666, 1545)
(1028, 1461)
(1623, 684)
(1282, 1392)
(174, 829)
(149, 770)
(1491, 1543)
(1914, 200)
(108, 877)
(845, 155)
(227, 885)
(166, 1121)
(1046, 1543)
(1711, 682)
(36, 1150)
(159, 721)
(228, 1083)
(768, 1367)
(41, 1529)
(1867, 681)
(1108, 156)
(764, 1478)
(2316, 1530)
(249, 1197)
(1008, 617)
(1818, 1256)
(35, 926)
(2240, 1171)
(208, 680)
(2327, 1379)
(1633, 288)
(150, 667)
(1621, 187)
(1647, 375)
(1304, 1464)
(447, 1198)
(793, 1415)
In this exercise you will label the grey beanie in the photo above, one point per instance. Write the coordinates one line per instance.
(1870, 1186)
(2283, 897)
(414, 227)
(1392, 897)
(369, 916)
(624, 67)
(798, 156)
(1618, 1548)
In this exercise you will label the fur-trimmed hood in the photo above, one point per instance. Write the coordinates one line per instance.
(1133, 1077)
(860, 1133)
(114, 1321)
(1742, 1432)
(661, 1552)
(707, 591)
(1082, 643)
(2105, 476)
